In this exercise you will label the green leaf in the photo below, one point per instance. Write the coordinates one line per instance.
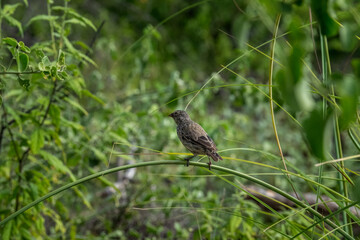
(7, 231)
(41, 18)
(61, 61)
(99, 154)
(37, 140)
(72, 124)
(76, 52)
(235, 222)
(25, 83)
(45, 60)
(40, 54)
(9, 9)
(23, 61)
(76, 105)
(10, 41)
(53, 72)
(89, 94)
(76, 84)
(75, 22)
(355, 189)
(23, 47)
(317, 132)
(2, 85)
(33, 191)
(25, 233)
(327, 25)
(15, 23)
(55, 113)
(347, 35)
(57, 163)
(81, 195)
(45, 63)
(75, 14)
(348, 90)
(15, 116)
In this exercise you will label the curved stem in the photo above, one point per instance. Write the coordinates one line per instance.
(177, 162)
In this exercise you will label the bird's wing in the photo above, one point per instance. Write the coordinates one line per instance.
(207, 141)
(200, 136)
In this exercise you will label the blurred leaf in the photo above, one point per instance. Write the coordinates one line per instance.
(61, 60)
(15, 23)
(99, 154)
(348, 36)
(2, 85)
(356, 189)
(25, 83)
(76, 84)
(9, 9)
(37, 140)
(73, 12)
(57, 163)
(40, 54)
(317, 132)
(23, 47)
(16, 117)
(7, 231)
(348, 90)
(54, 113)
(23, 61)
(53, 72)
(41, 18)
(235, 222)
(45, 60)
(10, 41)
(25, 233)
(33, 191)
(328, 26)
(292, 83)
(82, 197)
(89, 94)
(355, 63)
(76, 105)
(75, 21)
(76, 52)
(72, 124)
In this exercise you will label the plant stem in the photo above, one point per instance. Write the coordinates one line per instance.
(179, 162)
(52, 30)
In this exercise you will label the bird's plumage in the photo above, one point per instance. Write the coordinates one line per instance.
(194, 137)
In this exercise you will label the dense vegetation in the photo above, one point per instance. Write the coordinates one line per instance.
(86, 89)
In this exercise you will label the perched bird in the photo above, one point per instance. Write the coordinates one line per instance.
(194, 137)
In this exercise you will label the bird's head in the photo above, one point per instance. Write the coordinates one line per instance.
(180, 116)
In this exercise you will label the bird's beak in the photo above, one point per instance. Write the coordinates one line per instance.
(170, 115)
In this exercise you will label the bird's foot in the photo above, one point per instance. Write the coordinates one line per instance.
(188, 159)
(209, 163)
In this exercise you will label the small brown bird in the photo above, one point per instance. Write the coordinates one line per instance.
(194, 137)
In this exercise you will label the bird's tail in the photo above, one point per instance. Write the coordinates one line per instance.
(215, 156)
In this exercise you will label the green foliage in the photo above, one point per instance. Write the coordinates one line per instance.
(69, 90)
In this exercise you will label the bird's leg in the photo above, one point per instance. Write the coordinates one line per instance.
(209, 163)
(188, 159)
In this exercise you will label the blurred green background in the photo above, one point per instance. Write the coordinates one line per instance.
(128, 64)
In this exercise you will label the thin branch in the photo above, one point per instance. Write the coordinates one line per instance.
(10, 132)
(24, 155)
(19, 73)
(313, 41)
(20, 159)
(50, 101)
(247, 177)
